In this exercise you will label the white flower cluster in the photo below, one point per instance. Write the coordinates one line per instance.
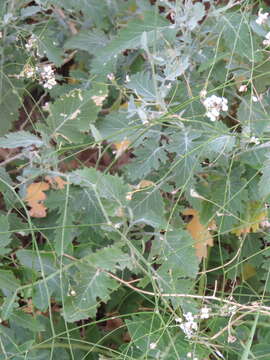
(47, 76)
(205, 312)
(45, 73)
(189, 326)
(262, 17)
(261, 20)
(227, 310)
(214, 105)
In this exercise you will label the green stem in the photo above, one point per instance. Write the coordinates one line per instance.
(74, 346)
(250, 338)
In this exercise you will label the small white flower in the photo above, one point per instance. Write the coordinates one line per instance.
(46, 106)
(266, 42)
(189, 355)
(242, 88)
(152, 346)
(231, 339)
(205, 313)
(127, 78)
(111, 77)
(129, 196)
(262, 17)
(265, 224)
(189, 326)
(47, 77)
(254, 140)
(203, 93)
(31, 43)
(49, 84)
(214, 105)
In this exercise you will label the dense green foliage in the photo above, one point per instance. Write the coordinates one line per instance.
(134, 180)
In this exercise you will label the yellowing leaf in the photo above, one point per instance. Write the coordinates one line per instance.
(248, 271)
(199, 232)
(254, 215)
(35, 197)
(56, 182)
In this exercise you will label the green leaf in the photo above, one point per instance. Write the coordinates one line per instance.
(143, 85)
(238, 37)
(116, 126)
(8, 283)
(8, 306)
(108, 257)
(87, 40)
(148, 208)
(9, 103)
(92, 285)
(221, 144)
(264, 183)
(94, 11)
(254, 116)
(71, 114)
(148, 157)
(26, 321)
(42, 263)
(4, 235)
(106, 186)
(20, 139)
(65, 234)
(177, 253)
(130, 37)
(48, 45)
(39, 262)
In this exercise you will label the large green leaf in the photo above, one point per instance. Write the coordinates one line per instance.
(105, 185)
(20, 139)
(148, 157)
(88, 40)
(238, 36)
(129, 37)
(148, 208)
(143, 85)
(92, 285)
(71, 114)
(176, 253)
(26, 321)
